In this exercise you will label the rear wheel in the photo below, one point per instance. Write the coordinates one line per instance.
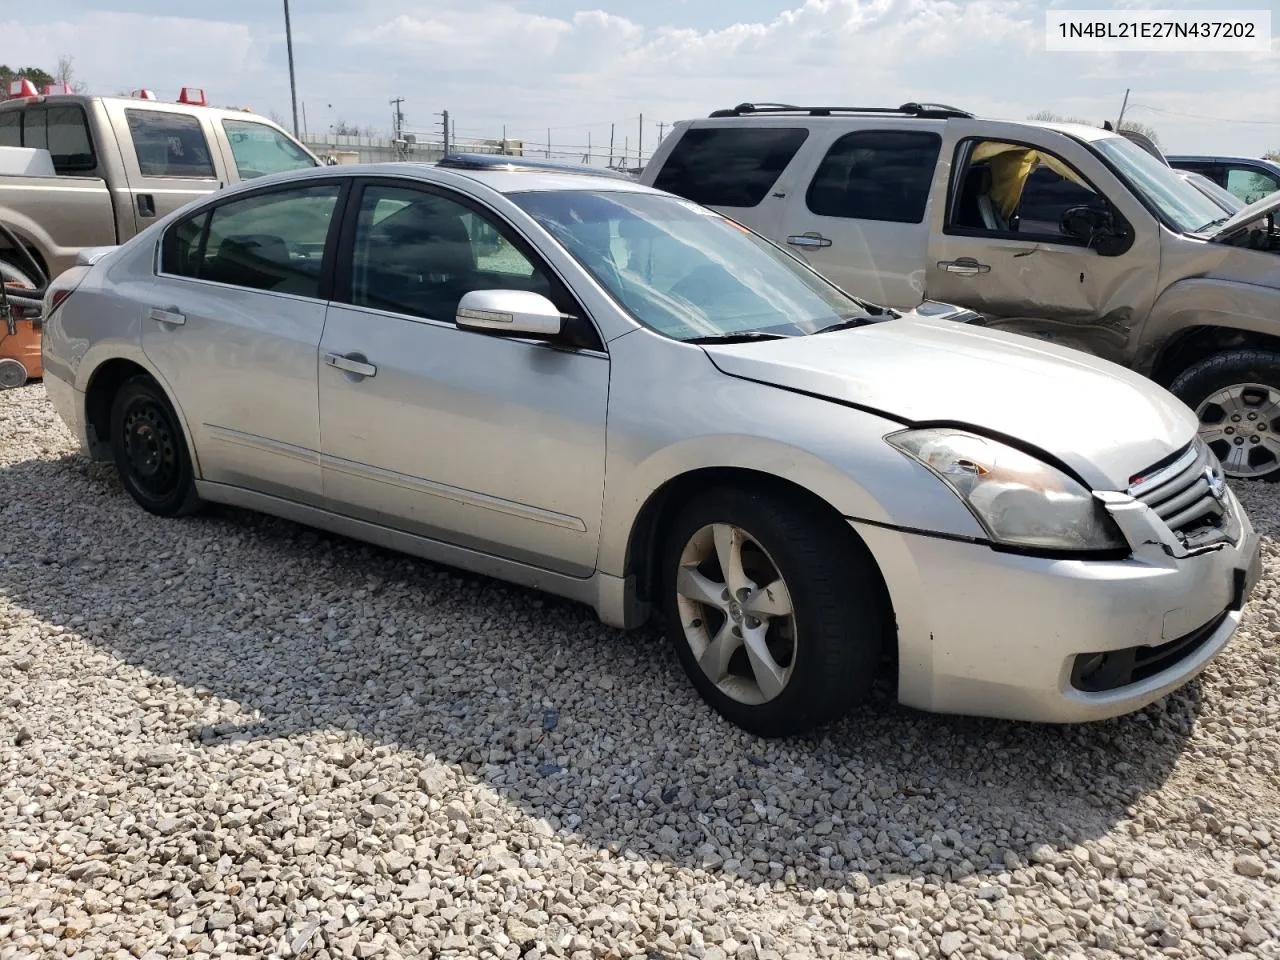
(150, 451)
(774, 613)
(1236, 397)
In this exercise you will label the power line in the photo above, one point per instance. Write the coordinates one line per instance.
(1197, 116)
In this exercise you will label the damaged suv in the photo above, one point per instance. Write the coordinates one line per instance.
(1065, 232)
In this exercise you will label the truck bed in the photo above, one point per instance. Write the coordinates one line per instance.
(59, 215)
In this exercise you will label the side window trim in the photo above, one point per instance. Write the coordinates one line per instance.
(341, 274)
(960, 168)
(332, 236)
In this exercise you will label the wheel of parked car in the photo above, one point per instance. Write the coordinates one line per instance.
(150, 451)
(1236, 395)
(774, 610)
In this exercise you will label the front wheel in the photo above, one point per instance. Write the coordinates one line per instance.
(774, 611)
(1236, 397)
(150, 451)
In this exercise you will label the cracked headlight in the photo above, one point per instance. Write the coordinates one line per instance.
(1019, 500)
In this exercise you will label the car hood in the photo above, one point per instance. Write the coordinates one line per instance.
(1259, 208)
(1103, 421)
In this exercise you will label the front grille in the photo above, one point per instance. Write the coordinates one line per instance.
(1096, 672)
(1187, 492)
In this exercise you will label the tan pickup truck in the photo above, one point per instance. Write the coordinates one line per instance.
(119, 164)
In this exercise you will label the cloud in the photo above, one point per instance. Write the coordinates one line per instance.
(491, 63)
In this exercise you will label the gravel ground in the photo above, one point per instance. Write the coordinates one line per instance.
(233, 735)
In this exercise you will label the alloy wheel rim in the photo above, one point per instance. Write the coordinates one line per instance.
(737, 614)
(150, 449)
(1241, 425)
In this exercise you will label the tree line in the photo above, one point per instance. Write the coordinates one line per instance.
(64, 73)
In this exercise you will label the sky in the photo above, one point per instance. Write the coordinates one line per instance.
(578, 66)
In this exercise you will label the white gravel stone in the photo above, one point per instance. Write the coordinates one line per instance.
(231, 735)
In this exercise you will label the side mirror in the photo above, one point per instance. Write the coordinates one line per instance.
(1097, 229)
(517, 313)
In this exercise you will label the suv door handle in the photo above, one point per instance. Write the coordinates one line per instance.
(146, 205)
(167, 316)
(808, 240)
(965, 267)
(353, 363)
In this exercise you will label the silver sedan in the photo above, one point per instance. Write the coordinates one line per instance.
(600, 390)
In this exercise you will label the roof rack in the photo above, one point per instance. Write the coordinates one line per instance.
(921, 111)
(497, 161)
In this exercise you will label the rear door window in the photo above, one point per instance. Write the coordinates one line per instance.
(68, 138)
(35, 128)
(63, 131)
(170, 145)
(258, 150)
(272, 241)
(876, 175)
(729, 166)
(11, 128)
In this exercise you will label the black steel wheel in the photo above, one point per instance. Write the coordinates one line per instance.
(150, 451)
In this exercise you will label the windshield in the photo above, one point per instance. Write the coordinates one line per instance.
(1180, 204)
(685, 271)
(1227, 200)
(259, 150)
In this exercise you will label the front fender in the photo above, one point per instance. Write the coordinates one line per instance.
(698, 418)
(1208, 302)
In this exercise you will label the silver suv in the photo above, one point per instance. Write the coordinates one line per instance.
(1068, 233)
(632, 401)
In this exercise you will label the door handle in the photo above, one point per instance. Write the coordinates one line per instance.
(808, 240)
(964, 267)
(354, 363)
(146, 205)
(167, 316)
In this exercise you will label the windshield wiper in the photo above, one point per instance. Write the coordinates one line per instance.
(744, 336)
(1213, 223)
(848, 323)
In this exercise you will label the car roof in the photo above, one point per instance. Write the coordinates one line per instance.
(1081, 131)
(501, 180)
(1205, 158)
(173, 106)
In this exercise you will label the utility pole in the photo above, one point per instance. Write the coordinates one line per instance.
(611, 146)
(1122, 108)
(504, 139)
(304, 118)
(445, 121)
(293, 85)
(398, 143)
(548, 143)
(661, 127)
(587, 158)
(640, 143)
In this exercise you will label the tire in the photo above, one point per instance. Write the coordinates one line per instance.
(12, 372)
(150, 451)
(1246, 440)
(12, 274)
(822, 659)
